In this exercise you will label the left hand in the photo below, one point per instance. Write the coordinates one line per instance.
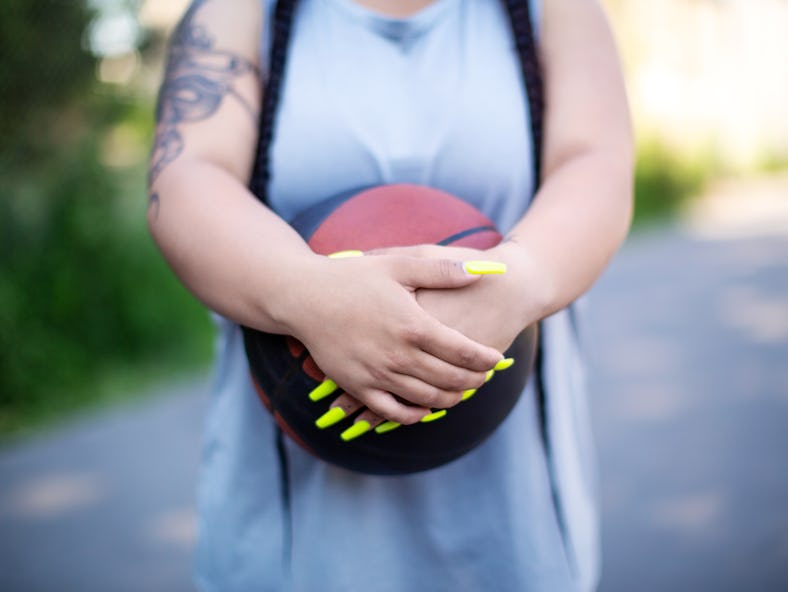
(492, 311)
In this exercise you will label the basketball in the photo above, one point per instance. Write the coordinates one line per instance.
(284, 373)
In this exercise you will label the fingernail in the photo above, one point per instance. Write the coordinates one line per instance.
(468, 394)
(489, 375)
(322, 390)
(484, 267)
(346, 254)
(504, 364)
(354, 431)
(387, 427)
(433, 416)
(330, 417)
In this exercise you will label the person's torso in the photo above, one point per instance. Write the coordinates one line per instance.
(434, 99)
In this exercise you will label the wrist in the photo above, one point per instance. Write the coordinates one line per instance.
(292, 293)
(529, 282)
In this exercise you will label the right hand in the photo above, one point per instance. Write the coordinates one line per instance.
(359, 319)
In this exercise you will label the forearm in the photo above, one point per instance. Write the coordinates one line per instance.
(234, 254)
(583, 208)
(577, 221)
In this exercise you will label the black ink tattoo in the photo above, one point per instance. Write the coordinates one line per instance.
(197, 79)
(153, 205)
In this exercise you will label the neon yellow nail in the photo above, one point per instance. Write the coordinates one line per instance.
(468, 394)
(322, 390)
(330, 417)
(346, 254)
(354, 431)
(504, 364)
(433, 416)
(484, 267)
(387, 427)
(489, 375)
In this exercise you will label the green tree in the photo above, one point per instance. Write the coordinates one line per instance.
(83, 292)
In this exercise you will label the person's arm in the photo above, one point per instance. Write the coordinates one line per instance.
(359, 318)
(582, 211)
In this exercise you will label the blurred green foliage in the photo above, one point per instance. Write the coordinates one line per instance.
(42, 66)
(665, 179)
(84, 294)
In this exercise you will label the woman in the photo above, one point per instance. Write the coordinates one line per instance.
(368, 92)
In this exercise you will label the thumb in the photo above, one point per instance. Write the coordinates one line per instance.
(444, 273)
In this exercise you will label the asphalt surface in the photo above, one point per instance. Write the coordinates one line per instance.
(688, 360)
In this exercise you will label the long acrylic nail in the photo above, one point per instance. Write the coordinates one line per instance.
(484, 267)
(354, 431)
(387, 427)
(346, 254)
(489, 375)
(504, 364)
(330, 417)
(433, 416)
(322, 390)
(468, 394)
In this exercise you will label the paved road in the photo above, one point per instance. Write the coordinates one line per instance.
(689, 364)
(689, 344)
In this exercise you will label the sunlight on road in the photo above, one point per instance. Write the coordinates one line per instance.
(56, 494)
(688, 514)
(762, 318)
(175, 527)
(740, 209)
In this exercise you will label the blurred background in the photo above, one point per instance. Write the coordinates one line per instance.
(104, 358)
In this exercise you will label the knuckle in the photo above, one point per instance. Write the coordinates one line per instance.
(430, 399)
(398, 359)
(459, 380)
(467, 356)
(409, 416)
(393, 411)
(377, 373)
(445, 268)
(412, 333)
(436, 398)
(479, 378)
(452, 399)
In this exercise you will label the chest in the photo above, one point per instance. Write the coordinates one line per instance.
(434, 99)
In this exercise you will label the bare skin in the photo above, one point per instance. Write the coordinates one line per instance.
(246, 263)
(583, 209)
(440, 333)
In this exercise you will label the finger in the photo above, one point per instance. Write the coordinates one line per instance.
(343, 406)
(366, 421)
(455, 348)
(389, 426)
(411, 251)
(394, 409)
(436, 273)
(423, 393)
(372, 418)
(443, 375)
(323, 390)
(346, 254)
(504, 364)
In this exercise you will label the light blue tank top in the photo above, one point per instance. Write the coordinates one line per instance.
(434, 99)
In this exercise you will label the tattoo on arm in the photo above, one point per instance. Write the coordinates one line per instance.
(153, 204)
(197, 79)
